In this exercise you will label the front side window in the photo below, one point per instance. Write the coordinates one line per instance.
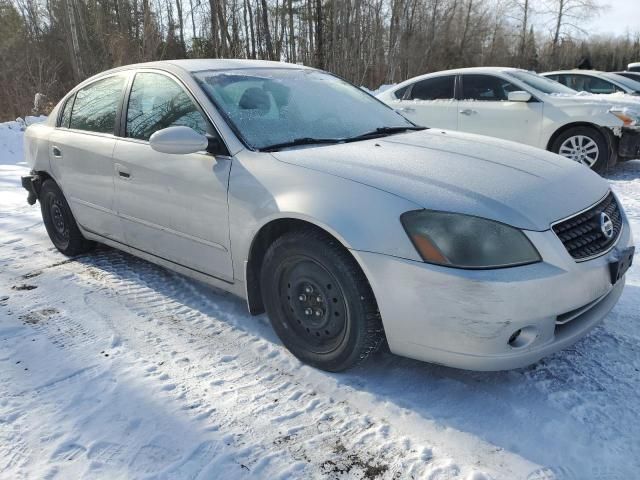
(437, 88)
(584, 83)
(158, 102)
(96, 105)
(486, 88)
(270, 106)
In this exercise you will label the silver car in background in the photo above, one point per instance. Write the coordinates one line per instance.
(348, 224)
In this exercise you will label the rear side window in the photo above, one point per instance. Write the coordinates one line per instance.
(437, 88)
(66, 112)
(486, 88)
(96, 105)
(158, 102)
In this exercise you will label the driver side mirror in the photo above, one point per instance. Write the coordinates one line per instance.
(519, 96)
(178, 140)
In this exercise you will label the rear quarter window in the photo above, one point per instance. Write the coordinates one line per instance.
(400, 92)
(65, 116)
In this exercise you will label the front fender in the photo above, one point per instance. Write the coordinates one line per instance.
(557, 118)
(263, 189)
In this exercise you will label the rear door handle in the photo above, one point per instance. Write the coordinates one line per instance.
(123, 171)
(467, 111)
(56, 152)
(406, 109)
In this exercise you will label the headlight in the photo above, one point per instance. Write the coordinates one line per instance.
(464, 241)
(629, 117)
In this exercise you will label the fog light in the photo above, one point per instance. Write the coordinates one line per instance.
(514, 336)
(523, 337)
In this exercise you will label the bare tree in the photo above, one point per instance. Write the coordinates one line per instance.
(566, 17)
(48, 46)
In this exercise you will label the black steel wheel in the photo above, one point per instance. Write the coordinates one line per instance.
(59, 222)
(319, 301)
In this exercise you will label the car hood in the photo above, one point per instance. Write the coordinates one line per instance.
(519, 185)
(604, 102)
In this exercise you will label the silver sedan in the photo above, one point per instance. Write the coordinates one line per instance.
(348, 224)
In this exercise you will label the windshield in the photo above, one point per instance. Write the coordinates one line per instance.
(540, 83)
(627, 82)
(271, 106)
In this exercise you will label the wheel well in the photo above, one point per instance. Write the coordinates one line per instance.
(569, 126)
(261, 242)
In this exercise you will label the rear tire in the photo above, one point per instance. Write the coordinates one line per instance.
(585, 145)
(59, 222)
(319, 302)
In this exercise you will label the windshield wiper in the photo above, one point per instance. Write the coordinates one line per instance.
(378, 132)
(300, 141)
(382, 131)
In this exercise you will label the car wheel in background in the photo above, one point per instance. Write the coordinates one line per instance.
(59, 222)
(585, 145)
(319, 302)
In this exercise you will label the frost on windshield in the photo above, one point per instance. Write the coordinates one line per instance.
(273, 106)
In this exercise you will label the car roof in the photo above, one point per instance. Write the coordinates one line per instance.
(197, 65)
(473, 70)
(575, 70)
(455, 71)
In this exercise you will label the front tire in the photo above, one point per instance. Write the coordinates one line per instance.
(59, 222)
(585, 145)
(319, 302)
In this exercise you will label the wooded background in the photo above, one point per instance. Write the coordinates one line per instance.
(48, 46)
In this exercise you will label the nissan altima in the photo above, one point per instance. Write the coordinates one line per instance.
(349, 225)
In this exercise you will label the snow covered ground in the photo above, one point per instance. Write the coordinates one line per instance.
(111, 367)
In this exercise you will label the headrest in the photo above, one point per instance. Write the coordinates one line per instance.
(255, 98)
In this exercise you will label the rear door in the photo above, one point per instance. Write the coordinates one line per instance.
(80, 152)
(172, 206)
(485, 109)
(431, 102)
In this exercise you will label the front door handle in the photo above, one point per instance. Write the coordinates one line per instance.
(56, 152)
(123, 172)
(467, 111)
(407, 109)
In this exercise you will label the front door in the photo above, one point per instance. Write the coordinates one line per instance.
(172, 206)
(485, 109)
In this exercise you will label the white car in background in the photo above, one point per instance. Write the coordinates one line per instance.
(522, 106)
(593, 81)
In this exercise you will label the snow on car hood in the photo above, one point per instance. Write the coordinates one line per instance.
(604, 101)
(442, 170)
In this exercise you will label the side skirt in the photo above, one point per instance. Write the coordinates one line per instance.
(236, 288)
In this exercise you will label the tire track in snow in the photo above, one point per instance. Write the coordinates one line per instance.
(240, 383)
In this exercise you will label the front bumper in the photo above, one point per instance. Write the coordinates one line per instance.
(629, 144)
(466, 318)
